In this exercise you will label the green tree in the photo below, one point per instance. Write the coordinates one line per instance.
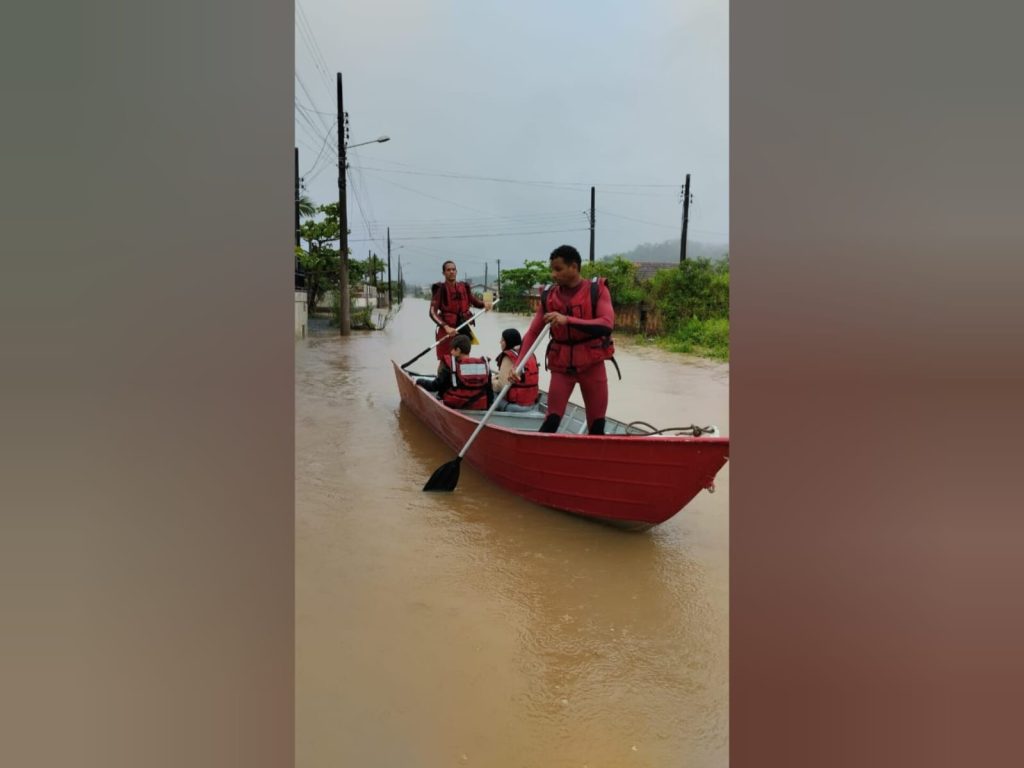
(623, 284)
(517, 285)
(306, 207)
(320, 260)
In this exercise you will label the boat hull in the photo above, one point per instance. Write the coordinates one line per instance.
(631, 481)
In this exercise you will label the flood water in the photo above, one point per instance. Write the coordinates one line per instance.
(478, 629)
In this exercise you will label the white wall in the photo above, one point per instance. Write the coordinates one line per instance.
(301, 314)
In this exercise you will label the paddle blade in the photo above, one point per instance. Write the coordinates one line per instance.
(406, 364)
(445, 477)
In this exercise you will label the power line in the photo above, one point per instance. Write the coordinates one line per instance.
(316, 53)
(321, 152)
(488, 234)
(479, 226)
(432, 197)
(639, 221)
(310, 99)
(433, 172)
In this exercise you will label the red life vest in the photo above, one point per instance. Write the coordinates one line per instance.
(471, 381)
(453, 303)
(526, 391)
(573, 349)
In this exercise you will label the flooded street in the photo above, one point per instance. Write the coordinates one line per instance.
(475, 628)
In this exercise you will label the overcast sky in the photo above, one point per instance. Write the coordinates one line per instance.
(544, 98)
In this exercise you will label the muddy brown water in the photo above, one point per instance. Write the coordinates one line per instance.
(476, 628)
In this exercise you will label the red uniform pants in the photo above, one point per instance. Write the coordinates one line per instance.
(593, 383)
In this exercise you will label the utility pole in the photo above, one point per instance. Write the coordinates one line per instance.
(591, 224)
(499, 277)
(300, 278)
(345, 313)
(389, 267)
(686, 219)
(485, 275)
(297, 232)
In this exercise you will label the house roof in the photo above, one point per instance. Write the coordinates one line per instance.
(645, 270)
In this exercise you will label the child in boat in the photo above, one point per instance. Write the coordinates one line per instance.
(462, 381)
(523, 395)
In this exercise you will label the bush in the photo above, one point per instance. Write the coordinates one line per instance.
(702, 337)
(697, 288)
(623, 284)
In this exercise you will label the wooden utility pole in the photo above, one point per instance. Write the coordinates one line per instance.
(591, 224)
(300, 277)
(297, 230)
(345, 304)
(389, 267)
(686, 219)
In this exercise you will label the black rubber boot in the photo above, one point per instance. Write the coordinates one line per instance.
(551, 423)
(597, 428)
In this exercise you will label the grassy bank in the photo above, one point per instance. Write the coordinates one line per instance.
(705, 338)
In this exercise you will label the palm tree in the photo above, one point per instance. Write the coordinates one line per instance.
(306, 207)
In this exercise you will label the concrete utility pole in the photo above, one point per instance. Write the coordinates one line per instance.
(345, 313)
(389, 267)
(591, 224)
(686, 219)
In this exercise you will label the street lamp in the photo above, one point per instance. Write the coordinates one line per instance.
(381, 140)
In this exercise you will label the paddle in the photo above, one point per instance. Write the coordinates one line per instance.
(460, 327)
(446, 477)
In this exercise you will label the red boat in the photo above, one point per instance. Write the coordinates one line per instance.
(632, 476)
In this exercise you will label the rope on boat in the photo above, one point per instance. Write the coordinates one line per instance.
(693, 430)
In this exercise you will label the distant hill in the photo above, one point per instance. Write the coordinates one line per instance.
(668, 251)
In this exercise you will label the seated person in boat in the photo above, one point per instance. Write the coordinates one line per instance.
(462, 381)
(522, 395)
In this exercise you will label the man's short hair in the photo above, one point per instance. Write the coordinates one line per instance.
(568, 254)
(445, 265)
(462, 343)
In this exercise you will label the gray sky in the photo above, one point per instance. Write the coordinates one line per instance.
(625, 96)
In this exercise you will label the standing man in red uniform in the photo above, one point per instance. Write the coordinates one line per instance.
(581, 316)
(450, 307)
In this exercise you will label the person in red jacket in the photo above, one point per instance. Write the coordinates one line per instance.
(581, 316)
(450, 307)
(522, 396)
(462, 381)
